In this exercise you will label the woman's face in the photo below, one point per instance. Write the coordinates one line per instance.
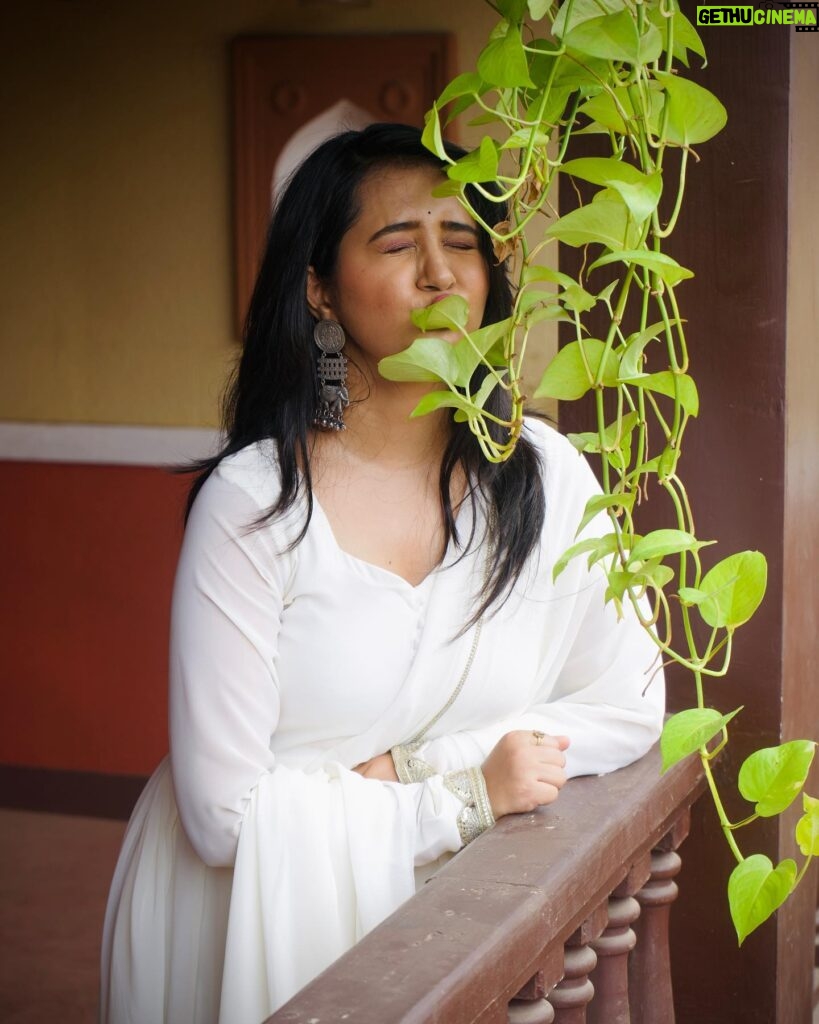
(405, 251)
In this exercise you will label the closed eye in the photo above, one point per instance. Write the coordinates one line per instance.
(398, 247)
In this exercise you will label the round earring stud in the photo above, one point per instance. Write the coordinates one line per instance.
(329, 336)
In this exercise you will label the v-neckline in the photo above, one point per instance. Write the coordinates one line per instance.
(389, 575)
(372, 568)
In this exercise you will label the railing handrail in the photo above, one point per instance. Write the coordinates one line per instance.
(501, 910)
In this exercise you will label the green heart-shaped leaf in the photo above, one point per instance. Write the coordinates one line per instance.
(452, 311)
(503, 61)
(538, 8)
(756, 889)
(686, 732)
(772, 778)
(514, 10)
(807, 828)
(598, 546)
(672, 385)
(605, 221)
(661, 543)
(685, 36)
(426, 360)
(444, 399)
(534, 272)
(616, 438)
(735, 587)
(666, 268)
(608, 109)
(631, 361)
(479, 165)
(469, 84)
(436, 359)
(570, 15)
(616, 37)
(576, 298)
(574, 369)
(694, 114)
(599, 502)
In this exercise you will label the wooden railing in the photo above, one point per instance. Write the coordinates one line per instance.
(816, 957)
(558, 916)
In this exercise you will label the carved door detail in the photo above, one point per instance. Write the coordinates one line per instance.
(291, 92)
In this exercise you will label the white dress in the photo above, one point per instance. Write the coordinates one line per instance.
(255, 856)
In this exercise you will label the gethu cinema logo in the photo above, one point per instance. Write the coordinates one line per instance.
(801, 15)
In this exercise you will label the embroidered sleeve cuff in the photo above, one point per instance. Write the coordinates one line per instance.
(409, 767)
(476, 815)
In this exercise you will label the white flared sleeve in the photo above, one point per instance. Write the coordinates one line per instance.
(319, 857)
(224, 690)
(599, 679)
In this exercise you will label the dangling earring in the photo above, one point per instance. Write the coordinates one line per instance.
(331, 368)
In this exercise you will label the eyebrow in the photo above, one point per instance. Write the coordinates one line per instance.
(411, 225)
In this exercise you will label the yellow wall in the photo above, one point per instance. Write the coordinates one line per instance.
(116, 292)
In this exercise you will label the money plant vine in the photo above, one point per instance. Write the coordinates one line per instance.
(610, 69)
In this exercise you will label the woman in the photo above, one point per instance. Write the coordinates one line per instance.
(360, 598)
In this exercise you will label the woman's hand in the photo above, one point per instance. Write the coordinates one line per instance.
(524, 770)
(380, 767)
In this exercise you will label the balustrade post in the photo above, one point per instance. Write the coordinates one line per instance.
(575, 992)
(530, 1006)
(610, 977)
(652, 1000)
(571, 997)
(534, 1011)
(816, 961)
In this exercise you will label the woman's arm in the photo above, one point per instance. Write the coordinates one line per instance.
(600, 703)
(600, 682)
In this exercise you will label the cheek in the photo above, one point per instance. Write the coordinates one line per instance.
(479, 293)
(371, 308)
(361, 290)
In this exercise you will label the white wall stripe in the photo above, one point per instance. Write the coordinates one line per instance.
(110, 445)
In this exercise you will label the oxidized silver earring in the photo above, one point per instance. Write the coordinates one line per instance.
(331, 368)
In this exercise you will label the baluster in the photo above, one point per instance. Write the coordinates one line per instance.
(575, 991)
(610, 978)
(816, 941)
(529, 1006)
(652, 1000)
(535, 1011)
(816, 963)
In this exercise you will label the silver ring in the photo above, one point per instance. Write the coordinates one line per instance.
(539, 736)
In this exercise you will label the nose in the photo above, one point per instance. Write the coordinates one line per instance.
(434, 271)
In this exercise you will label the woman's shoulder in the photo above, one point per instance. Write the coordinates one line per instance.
(554, 450)
(253, 468)
(245, 483)
(567, 475)
(237, 497)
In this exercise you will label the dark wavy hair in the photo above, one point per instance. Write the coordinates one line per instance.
(273, 391)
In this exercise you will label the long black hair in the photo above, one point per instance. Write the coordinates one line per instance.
(273, 391)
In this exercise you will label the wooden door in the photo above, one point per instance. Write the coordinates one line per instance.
(292, 91)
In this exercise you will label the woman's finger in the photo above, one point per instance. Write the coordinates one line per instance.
(545, 739)
(552, 775)
(551, 756)
(546, 793)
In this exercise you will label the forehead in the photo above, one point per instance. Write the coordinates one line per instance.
(398, 193)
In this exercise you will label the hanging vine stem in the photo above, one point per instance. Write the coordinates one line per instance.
(607, 68)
